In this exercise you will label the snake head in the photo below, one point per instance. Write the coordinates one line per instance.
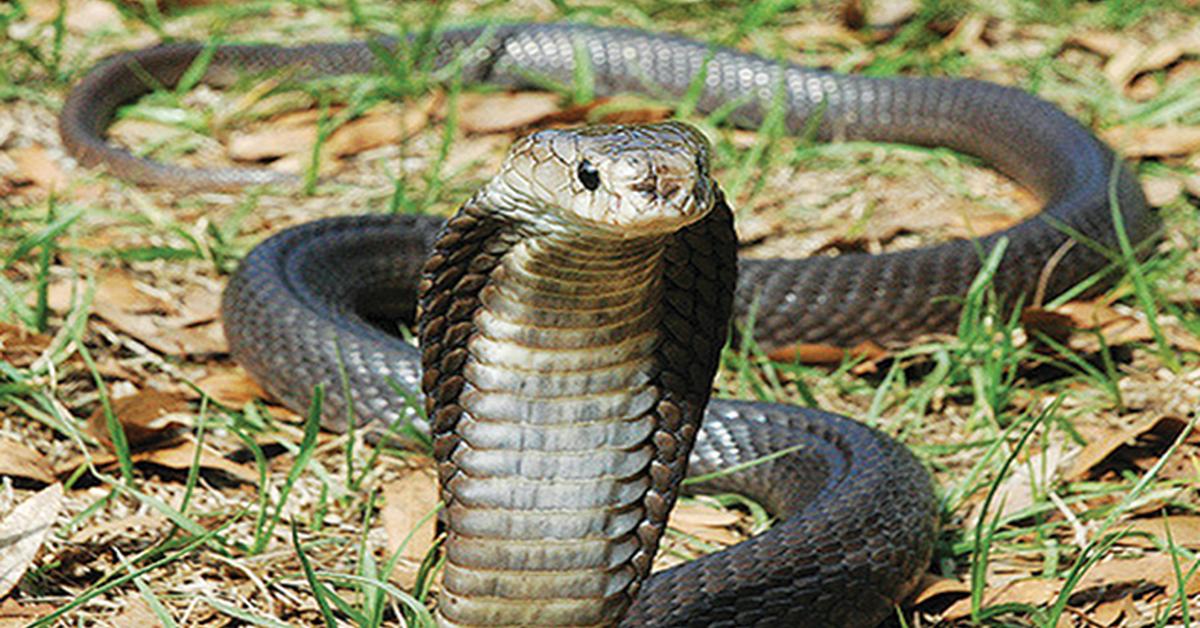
(633, 181)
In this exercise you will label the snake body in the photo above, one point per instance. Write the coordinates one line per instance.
(857, 513)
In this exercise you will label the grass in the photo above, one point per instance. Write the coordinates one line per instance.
(991, 403)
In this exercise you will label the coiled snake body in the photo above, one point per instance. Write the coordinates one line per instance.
(573, 311)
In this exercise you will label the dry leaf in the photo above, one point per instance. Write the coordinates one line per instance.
(135, 612)
(272, 142)
(199, 305)
(135, 132)
(706, 521)
(23, 532)
(1184, 531)
(135, 310)
(232, 387)
(181, 456)
(1105, 43)
(1192, 185)
(407, 501)
(805, 34)
(1034, 591)
(887, 14)
(644, 114)
(370, 131)
(937, 591)
(1135, 57)
(1112, 612)
(14, 614)
(472, 151)
(178, 457)
(1116, 449)
(35, 165)
(1116, 328)
(19, 346)
(1156, 569)
(91, 16)
(290, 137)
(17, 460)
(1153, 142)
(148, 418)
(1091, 314)
(1162, 190)
(501, 112)
(809, 353)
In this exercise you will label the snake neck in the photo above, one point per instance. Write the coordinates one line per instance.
(565, 389)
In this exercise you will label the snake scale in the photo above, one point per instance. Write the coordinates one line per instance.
(573, 310)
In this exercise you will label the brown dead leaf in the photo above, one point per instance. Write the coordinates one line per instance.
(1139, 330)
(136, 611)
(290, 137)
(937, 592)
(23, 532)
(371, 131)
(306, 117)
(1134, 57)
(1113, 612)
(17, 460)
(36, 167)
(1034, 591)
(472, 151)
(15, 614)
(1115, 327)
(90, 16)
(1184, 531)
(1105, 43)
(886, 14)
(1153, 142)
(705, 521)
(199, 305)
(640, 115)
(1091, 314)
(148, 418)
(1155, 569)
(1118, 449)
(1058, 326)
(1192, 185)
(19, 346)
(180, 457)
(272, 142)
(808, 353)
(407, 501)
(232, 387)
(501, 112)
(177, 457)
(139, 311)
(135, 132)
(1162, 190)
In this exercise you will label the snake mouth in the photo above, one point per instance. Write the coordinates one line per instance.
(631, 181)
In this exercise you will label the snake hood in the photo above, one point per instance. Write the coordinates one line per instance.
(629, 181)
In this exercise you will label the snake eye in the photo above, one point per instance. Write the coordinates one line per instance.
(588, 175)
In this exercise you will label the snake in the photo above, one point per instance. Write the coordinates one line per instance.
(571, 317)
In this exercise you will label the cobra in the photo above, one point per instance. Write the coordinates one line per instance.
(573, 310)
